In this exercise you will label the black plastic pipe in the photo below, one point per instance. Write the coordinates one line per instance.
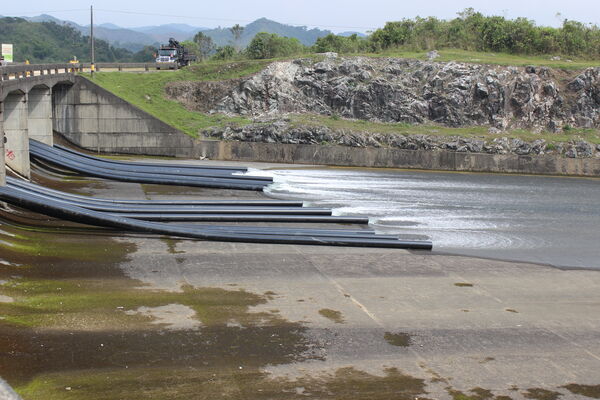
(52, 192)
(246, 218)
(163, 209)
(166, 165)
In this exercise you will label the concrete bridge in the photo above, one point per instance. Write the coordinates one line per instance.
(26, 109)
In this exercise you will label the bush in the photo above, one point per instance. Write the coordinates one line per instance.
(224, 53)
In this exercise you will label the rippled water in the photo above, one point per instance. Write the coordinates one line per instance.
(527, 218)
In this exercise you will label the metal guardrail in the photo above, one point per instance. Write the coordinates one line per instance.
(10, 72)
(19, 71)
(125, 66)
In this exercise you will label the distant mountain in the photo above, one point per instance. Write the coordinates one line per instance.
(121, 37)
(49, 41)
(162, 33)
(113, 34)
(135, 39)
(108, 25)
(223, 36)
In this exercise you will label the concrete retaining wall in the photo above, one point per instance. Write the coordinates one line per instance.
(98, 120)
(173, 145)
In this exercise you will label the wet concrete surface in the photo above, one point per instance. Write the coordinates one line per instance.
(89, 318)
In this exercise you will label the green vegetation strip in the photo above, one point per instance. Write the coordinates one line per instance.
(147, 92)
(351, 125)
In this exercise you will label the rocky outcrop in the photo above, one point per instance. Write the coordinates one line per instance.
(412, 91)
(281, 131)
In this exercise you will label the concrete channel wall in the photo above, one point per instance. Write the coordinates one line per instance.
(97, 120)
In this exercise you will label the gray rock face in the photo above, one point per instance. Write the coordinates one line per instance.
(279, 131)
(411, 91)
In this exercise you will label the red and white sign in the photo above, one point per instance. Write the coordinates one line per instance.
(10, 155)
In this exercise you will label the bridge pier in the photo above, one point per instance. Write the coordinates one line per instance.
(16, 133)
(39, 120)
(26, 109)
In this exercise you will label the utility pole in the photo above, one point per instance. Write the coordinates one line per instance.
(92, 65)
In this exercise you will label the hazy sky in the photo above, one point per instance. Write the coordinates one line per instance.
(336, 15)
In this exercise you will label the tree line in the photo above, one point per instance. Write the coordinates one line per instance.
(470, 30)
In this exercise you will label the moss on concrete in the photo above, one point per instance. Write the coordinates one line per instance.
(333, 315)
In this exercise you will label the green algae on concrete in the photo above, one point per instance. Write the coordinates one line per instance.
(333, 315)
(397, 339)
(172, 245)
(592, 391)
(463, 284)
(227, 383)
(57, 327)
(541, 394)
(477, 394)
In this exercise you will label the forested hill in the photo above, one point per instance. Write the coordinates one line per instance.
(308, 37)
(41, 42)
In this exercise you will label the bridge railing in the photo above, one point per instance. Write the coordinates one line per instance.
(147, 66)
(10, 72)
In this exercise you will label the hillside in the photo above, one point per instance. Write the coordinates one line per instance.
(41, 42)
(380, 102)
(223, 36)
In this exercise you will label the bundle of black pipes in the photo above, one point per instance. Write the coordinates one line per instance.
(50, 206)
(142, 215)
(168, 174)
(194, 211)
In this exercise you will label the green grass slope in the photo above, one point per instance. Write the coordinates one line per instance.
(147, 91)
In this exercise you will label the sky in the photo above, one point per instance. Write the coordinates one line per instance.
(335, 15)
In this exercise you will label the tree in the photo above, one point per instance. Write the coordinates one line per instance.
(206, 46)
(148, 53)
(237, 31)
(269, 45)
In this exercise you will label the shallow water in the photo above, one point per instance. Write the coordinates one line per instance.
(540, 219)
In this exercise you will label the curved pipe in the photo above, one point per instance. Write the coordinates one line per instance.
(217, 209)
(156, 169)
(220, 183)
(51, 192)
(166, 165)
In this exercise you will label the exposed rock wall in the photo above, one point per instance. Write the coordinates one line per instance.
(282, 132)
(413, 91)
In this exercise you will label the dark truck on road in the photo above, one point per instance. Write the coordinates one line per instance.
(174, 55)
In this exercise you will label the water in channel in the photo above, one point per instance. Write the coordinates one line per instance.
(550, 220)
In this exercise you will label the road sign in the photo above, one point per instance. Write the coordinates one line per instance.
(7, 52)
